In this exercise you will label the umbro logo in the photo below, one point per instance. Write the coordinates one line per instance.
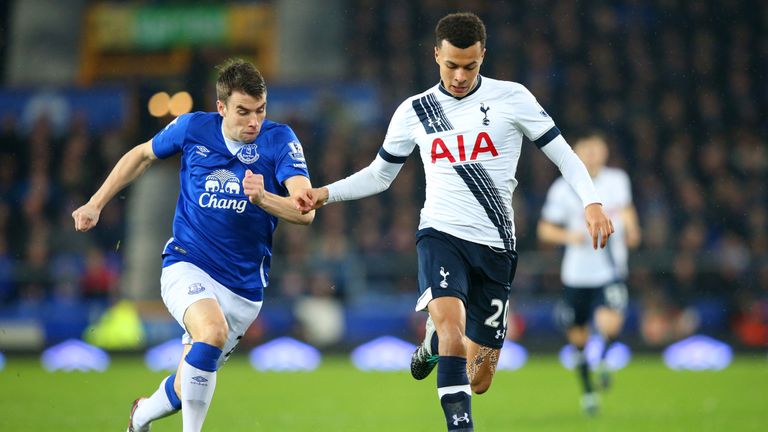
(202, 150)
(199, 379)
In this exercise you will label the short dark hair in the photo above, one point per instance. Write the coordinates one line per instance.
(461, 29)
(239, 75)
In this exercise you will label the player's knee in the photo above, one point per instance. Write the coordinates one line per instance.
(214, 334)
(177, 385)
(452, 343)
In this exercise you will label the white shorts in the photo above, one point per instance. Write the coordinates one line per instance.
(182, 284)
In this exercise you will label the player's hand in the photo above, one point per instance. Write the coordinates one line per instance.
(253, 187)
(599, 224)
(86, 217)
(307, 200)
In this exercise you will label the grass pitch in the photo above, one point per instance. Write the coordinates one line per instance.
(542, 396)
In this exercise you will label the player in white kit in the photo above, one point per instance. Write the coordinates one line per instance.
(469, 130)
(594, 281)
(237, 168)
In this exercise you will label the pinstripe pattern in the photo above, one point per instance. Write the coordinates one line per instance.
(431, 114)
(479, 182)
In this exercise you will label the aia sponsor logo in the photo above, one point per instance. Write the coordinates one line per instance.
(482, 144)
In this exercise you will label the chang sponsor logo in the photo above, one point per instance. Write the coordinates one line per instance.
(218, 185)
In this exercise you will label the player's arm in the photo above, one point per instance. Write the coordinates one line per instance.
(373, 179)
(276, 205)
(576, 175)
(632, 226)
(127, 169)
(549, 232)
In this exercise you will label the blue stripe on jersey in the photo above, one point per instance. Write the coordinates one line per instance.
(547, 137)
(391, 158)
(431, 114)
(486, 193)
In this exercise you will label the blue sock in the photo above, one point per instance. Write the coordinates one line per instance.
(455, 393)
(582, 366)
(171, 392)
(203, 356)
(433, 344)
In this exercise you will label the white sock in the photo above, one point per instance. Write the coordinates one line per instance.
(153, 408)
(197, 388)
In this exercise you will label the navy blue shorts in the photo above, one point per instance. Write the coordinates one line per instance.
(480, 275)
(579, 303)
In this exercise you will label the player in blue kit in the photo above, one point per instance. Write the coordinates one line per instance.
(237, 169)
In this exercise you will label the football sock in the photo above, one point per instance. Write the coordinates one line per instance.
(582, 366)
(607, 344)
(433, 344)
(198, 381)
(162, 403)
(455, 393)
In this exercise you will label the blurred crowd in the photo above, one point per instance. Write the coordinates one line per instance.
(677, 87)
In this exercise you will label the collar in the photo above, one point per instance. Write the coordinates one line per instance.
(471, 92)
(232, 145)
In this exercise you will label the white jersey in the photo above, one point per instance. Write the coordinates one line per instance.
(582, 265)
(470, 148)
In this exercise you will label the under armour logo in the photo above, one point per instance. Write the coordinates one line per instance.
(444, 274)
(499, 334)
(457, 419)
(435, 123)
(485, 110)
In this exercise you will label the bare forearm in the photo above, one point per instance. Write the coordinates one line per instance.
(285, 209)
(127, 169)
(555, 234)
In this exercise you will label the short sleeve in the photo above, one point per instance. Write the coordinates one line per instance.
(556, 206)
(170, 140)
(532, 120)
(398, 143)
(290, 155)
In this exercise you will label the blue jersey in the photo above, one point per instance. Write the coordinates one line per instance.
(215, 226)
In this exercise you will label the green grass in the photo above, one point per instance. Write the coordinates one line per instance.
(542, 396)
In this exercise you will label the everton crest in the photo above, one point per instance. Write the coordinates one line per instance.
(248, 154)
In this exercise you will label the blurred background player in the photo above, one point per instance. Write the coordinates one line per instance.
(469, 130)
(594, 281)
(236, 169)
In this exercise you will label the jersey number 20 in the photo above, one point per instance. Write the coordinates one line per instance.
(501, 308)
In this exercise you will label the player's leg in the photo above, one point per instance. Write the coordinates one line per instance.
(162, 403)
(487, 307)
(441, 273)
(453, 389)
(481, 365)
(443, 284)
(579, 301)
(609, 320)
(191, 297)
(216, 326)
(205, 322)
